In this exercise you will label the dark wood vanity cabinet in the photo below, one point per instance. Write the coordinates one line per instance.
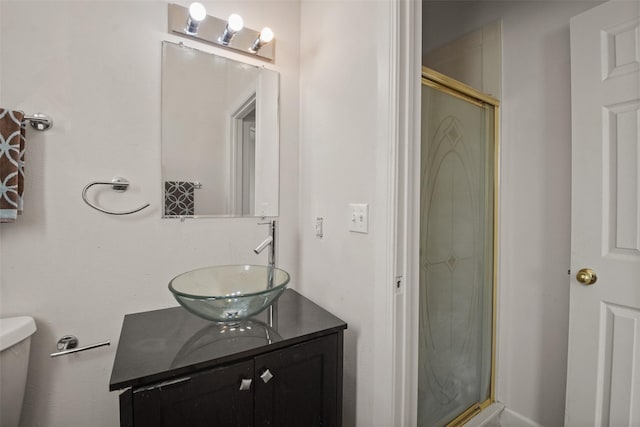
(294, 386)
(295, 380)
(306, 388)
(210, 398)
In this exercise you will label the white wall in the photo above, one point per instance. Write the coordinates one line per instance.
(95, 68)
(535, 192)
(344, 89)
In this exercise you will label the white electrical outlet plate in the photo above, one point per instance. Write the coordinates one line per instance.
(359, 217)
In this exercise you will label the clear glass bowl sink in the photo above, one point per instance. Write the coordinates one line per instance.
(229, 293)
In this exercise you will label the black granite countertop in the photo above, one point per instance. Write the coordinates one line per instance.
(162, 344)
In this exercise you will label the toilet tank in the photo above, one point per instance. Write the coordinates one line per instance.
(15, 344)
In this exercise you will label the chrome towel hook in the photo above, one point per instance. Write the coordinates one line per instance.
(117, 184)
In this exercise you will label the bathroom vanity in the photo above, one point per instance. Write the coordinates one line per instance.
(176, 369)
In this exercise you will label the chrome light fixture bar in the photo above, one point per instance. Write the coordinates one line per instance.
(229, 34)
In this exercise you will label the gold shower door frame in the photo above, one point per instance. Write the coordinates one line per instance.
(442, 83)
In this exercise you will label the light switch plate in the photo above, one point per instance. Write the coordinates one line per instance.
(359, 217)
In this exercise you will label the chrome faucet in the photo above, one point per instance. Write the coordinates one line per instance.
(269, 241)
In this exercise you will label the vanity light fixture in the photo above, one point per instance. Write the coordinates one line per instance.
(265, 36)
(197, 13)
(229, 34)
(234, 24)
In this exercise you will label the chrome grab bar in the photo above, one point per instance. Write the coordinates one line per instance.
(117, 184)
(69, 344)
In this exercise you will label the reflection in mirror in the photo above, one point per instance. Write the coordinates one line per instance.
(220, 148)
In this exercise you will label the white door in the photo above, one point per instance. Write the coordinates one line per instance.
(603, 379)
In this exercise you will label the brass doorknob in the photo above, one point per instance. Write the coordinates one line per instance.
(586, 276)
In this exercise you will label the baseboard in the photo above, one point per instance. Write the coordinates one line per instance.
(509, 418)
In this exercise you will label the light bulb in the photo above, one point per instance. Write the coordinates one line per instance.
(235, 22)
(266, 35)
(197, 11)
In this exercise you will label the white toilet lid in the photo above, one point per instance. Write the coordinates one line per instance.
(15, 329)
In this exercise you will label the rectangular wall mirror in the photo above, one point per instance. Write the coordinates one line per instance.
(220, 136)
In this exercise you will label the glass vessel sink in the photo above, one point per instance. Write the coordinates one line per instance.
(229, 293)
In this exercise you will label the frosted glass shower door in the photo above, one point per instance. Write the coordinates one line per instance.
(456, 255)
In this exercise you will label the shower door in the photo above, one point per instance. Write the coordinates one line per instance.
(457, 251)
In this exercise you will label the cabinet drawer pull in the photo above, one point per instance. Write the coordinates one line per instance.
(266, 376)
(245, 384)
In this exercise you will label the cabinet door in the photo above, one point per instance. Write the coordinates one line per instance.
(304, 387)
(210, 398)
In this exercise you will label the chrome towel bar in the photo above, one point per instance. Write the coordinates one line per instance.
(117, 184)
(39, 121)
(69, 344)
